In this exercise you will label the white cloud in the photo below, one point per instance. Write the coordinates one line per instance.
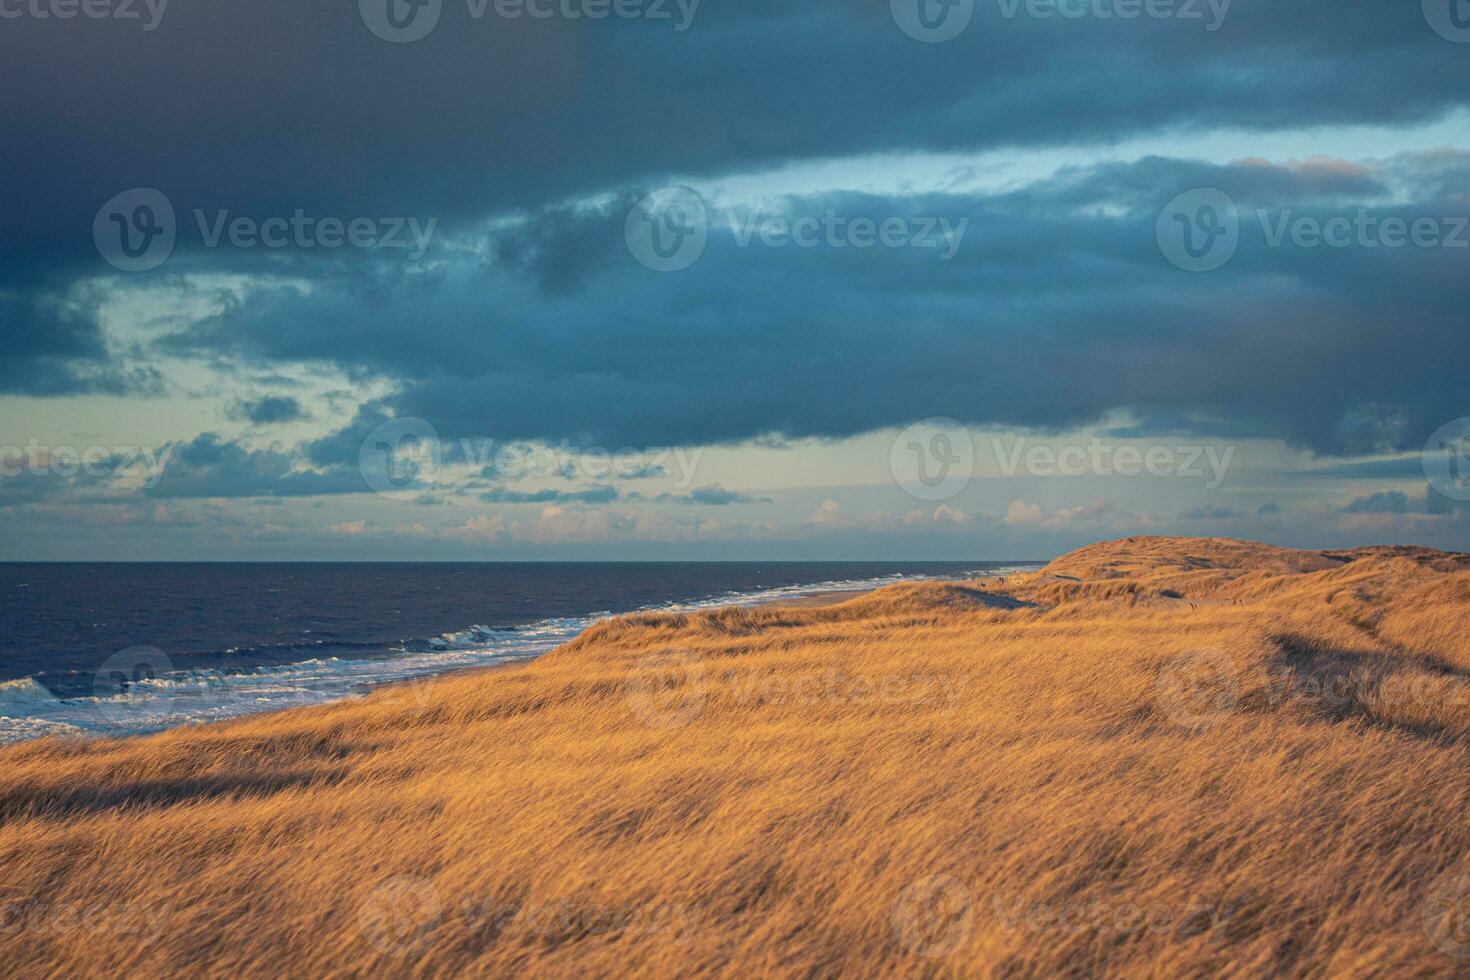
(1020, 512)
(829, 513)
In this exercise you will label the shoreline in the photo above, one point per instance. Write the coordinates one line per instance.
(816, 600)
(193, 699)
(830, 597)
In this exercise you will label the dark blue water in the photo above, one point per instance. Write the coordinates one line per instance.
(59, 622)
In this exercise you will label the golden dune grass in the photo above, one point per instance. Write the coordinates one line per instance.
(1158, 757)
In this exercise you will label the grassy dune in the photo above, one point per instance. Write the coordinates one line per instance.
(1163, 757)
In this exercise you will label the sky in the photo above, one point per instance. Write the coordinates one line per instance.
(730, 279)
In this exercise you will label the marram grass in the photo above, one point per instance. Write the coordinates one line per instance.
(1157, 757)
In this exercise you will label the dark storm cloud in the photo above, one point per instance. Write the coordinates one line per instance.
(1057, 308)
(1387, 502)
(212, 467)
(594, 495)
(267, 107)
(20, 486)
(711, 496)
(55, 348)
(1437, 503)
(1401, 468)
(270, 410)
(1163, 424)
(276, 92)
(78, 474)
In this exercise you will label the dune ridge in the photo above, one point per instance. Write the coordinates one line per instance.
(1156, 756)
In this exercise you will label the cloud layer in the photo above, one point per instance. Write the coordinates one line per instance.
(996, 290)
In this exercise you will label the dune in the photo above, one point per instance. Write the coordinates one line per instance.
(1156, 756)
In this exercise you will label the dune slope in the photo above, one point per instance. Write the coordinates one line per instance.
(1171, 757)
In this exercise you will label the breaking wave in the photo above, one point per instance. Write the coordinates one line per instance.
(149, 704)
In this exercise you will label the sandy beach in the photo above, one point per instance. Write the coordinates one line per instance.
(817, 599)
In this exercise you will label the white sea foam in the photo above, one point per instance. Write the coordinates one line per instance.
(28, 710)
(22, 694)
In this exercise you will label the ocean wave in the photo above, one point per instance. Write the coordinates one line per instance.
(28, 710)
(23, 694)
(25, 729)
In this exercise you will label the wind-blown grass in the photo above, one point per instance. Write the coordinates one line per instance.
(1157, 756)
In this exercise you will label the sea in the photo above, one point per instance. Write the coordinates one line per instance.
(114, 650)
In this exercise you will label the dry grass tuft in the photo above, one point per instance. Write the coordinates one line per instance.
(1158, 756)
